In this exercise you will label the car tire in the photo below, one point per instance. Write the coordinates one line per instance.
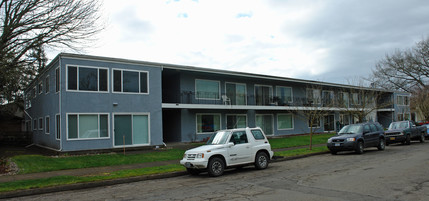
(216, 167)
(381, 145)
(334, 152)
(261, 161)
(192, 171)
(359, 147)
(422, 138)
(408, 140)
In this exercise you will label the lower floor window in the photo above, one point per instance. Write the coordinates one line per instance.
(87, 126)
(131, 129)
(265, 122)
(284, 121)
(236, 121)
(207, 123)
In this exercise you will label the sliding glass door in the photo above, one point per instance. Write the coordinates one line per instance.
(131, 129)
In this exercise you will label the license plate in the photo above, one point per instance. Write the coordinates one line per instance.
(392, 138)
(337, 144)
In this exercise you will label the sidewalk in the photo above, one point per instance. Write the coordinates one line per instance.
(101, 170)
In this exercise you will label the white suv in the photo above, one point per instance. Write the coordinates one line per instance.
(228, 148)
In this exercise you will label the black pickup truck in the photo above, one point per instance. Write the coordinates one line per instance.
(404, 132)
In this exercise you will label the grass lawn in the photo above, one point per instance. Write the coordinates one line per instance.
(300, 140)
(62, 180)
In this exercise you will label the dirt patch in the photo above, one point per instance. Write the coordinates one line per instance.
(7, 167)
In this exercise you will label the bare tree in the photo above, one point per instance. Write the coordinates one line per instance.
(30, 26)
(420, 102)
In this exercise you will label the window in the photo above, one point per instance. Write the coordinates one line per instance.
(284, 121)
(47, 125)
(402, 100)
(263, 95)
(313, 122)
(41, 123)
(57, 126)
(313, 96)
(284, 95)
(328, 98)
(131, 129)
(356, 99)
(257, 134)
(265, 122)
(35, 124)
(47, 84)
(87, 78)
(87, 126)
(34, 93)
(40, 87)
(207, 89)
(130, 81)
(208, 123)
(239, 137)
(236, 121)
(344, 99)
(344, 119)
(57, 79)
(236, 93)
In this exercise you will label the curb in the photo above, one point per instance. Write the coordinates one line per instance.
(79, 186)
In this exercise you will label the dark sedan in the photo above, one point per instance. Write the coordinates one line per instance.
(356, 137)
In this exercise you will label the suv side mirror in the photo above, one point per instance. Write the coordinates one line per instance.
(230, 144)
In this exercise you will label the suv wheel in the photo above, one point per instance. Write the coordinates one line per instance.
(408, 140)
(381, 144)
(216, 167)
(422, 138)
(261, 160)
(359, 147)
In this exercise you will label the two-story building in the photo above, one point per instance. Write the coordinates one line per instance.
(82, 102)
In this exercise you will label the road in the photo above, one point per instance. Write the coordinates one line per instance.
(398, 173)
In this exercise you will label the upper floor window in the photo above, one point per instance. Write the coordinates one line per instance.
(356, 98)
(57, 79)
(207, 89)
(40, 87)
(284, 95)
(313, 96)
(130, 81)
(402, 100)
(47, 84)
(87, 78)
(263, 94)
(344, 99)
(236, 93)
(327, 98)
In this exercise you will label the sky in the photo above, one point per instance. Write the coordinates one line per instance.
(337, 41)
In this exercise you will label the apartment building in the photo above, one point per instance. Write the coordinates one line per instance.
(82, 102)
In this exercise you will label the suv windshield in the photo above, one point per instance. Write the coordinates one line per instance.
(350, 129)
(398, 125)
(219, 138)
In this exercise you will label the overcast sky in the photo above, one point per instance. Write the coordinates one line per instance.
(327, 40)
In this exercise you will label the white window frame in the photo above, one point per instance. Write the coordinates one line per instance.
(122, 81)
(272, 122)
(212, 114)
(347, 103)
(245, 90)
(405, 99)
(47, 84)
(331, 93)
(77, 79)
(98, 124)
(262, 85)
(58, 127)
(132, 122)
(317, 100)
(230, 115)
(47, 125)
(196, 92)
(293, 121)
(291, 93)
(359, 99)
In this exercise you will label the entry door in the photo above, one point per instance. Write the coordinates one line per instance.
(329, 123)
(131, 129)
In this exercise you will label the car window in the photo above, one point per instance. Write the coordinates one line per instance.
(239, 137)
(373, 128)
(257, 134)
(380, 128)
(350, 129)
(366, 129)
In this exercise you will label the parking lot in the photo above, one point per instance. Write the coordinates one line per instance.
(398, 173)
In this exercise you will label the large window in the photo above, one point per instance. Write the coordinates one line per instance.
(313, 96)
(314, 121)
(402, 100)
(284, 95)
(356, 99)
(208, 123)
(263, 94)
(57, 79)
(130, 81)
(131, 129)
(344, 99)
(207, 89)
(265, 122)
(236, 121)
(47, 88)
(236, 93)
(87, 78)
(328, 98)
(284, 121)
(58, 126)
(87, 126)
